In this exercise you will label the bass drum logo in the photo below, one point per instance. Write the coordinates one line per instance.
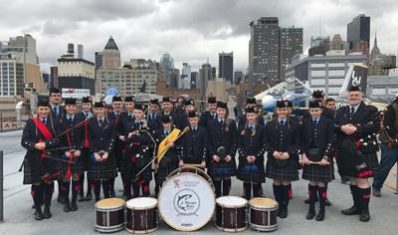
(186, 202)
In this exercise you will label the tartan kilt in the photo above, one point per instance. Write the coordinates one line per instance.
(318, 173)
(77, 168)
(251, 172)
(32, 176)
(102, 170)
(221, 170)
(136, 165)
(29, 175)
(346, 168)
(288, 172)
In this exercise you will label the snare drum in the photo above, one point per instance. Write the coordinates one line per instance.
(186, 199)
(141, 215)
(263, 214)
(231, 214)
(109, 215)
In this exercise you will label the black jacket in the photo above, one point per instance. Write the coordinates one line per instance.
(194, 146)
(324, 140)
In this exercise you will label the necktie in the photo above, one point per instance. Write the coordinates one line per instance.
(86, 114)
(222, 122)
(70, 119)
(101, 122)
(282, 122)
(55, 110)
(43, 121)
(352, 110)
(315, 122)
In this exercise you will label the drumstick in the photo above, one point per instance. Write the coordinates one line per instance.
(316, 163)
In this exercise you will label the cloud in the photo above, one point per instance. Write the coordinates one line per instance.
(190, 30)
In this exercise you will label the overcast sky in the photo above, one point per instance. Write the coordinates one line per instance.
(190, 30)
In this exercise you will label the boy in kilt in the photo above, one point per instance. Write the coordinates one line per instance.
(127, 121)
(317, 156)
(194, 143)
(85, 114)
(40, 167)
(102, 167)
(221, 135)
(251, 149)
(171, 158)
(139, 153)
(73, 166)
(356, 126)
(282, 145)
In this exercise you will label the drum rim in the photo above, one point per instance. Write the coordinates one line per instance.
(262, 206)
(112, 207)
(142, 231)
(233, 206)
(174, 226)
(143, 208)
(231, 230)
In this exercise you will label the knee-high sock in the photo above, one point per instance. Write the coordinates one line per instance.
(37, 194)
(95, 185)
(312, 194)
(217, 186)
(257, 190)
(364, 199)
(81, 183)
(248, 190)
(48, 194)
(145, 188)
(111, 185)
(106, 185)
(226, 187)
(285, 195)
(277, 193)
(322, 195)
(76, 188)
(355, 197)
(290, 192)
(136, 189)
(65, 190)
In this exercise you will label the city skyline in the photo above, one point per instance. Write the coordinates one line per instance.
(147, 29)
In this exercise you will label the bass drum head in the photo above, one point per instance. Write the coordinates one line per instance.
(186, 201)
(141, 203)
(231, 201)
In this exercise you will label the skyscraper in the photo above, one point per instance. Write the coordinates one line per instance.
(205, 74)
(358, 30)
(185, 79)
(167, 68)
(264, 51)
(111, 55)
(291, 43)
(226, 66)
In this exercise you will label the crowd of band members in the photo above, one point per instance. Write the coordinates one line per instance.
(104, 142)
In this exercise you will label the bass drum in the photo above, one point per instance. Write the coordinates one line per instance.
(186, 199)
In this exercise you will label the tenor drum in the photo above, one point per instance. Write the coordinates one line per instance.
(231, 214)
(141, 215)
(186, 199)
(109, 215)
(263, 214)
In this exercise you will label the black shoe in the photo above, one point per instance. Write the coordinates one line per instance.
(88, 197)
(320, 216)
(327, 202)
(47, 212)
(364, 216)
(38, 214)
(311, 214)
(351, 211)
(283, 213)
(67, 207)
(73, 206)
